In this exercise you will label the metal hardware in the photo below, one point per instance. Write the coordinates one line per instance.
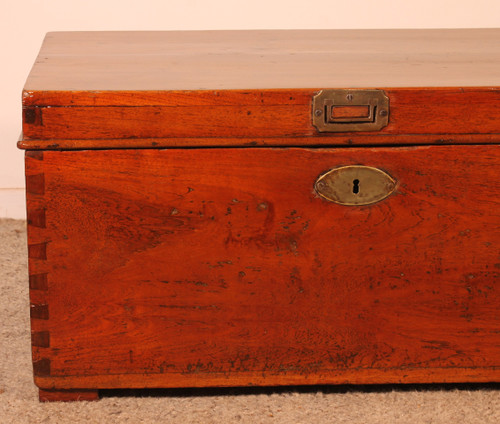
(350, 110)
(355, 185)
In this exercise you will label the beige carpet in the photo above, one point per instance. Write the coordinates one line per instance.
(448, 404)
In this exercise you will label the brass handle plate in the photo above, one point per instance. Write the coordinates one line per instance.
(350, 110)
(355, 185)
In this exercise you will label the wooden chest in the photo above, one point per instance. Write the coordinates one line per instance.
(263, 208)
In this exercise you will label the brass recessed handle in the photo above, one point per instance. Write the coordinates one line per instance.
(355, 185)
(350, 110)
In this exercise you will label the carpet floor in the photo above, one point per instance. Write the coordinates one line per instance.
(464, 404)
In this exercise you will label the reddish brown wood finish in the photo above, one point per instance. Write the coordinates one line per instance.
(170, 268)
(221, 266)
(283, 115)
(67, 395)
(235, 60)
(116, 89)
(340, 140)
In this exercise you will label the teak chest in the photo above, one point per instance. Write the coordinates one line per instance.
(228, 208)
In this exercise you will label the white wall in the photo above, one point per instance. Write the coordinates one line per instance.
(24, 23)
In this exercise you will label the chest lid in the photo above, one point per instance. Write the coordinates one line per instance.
(263, 88)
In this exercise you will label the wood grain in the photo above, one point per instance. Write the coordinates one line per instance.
(240, 60)
(447, 112)
(339, 140)
(38, 265)
(214, 88)
(245, 378)
(67, 395)
(203, 267)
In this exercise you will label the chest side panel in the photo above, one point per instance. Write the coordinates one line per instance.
(164, 268)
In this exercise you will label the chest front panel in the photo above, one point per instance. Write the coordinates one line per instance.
(190, 265)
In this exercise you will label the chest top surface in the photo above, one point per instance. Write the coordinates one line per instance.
(204, 60)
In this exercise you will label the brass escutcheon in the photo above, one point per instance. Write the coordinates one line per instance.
(355, 185)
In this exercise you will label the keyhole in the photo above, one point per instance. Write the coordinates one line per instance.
(355, 186)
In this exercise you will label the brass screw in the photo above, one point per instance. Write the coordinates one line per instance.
(350, 97)
(318, 112)
(383, 112)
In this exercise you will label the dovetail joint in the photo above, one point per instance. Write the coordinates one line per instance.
(39, 311)
(37, 251)
(32, 115)
(36, 218)
(40, 339)
(41, 368)
(35, 184)
(38, 282)
(34, 154)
